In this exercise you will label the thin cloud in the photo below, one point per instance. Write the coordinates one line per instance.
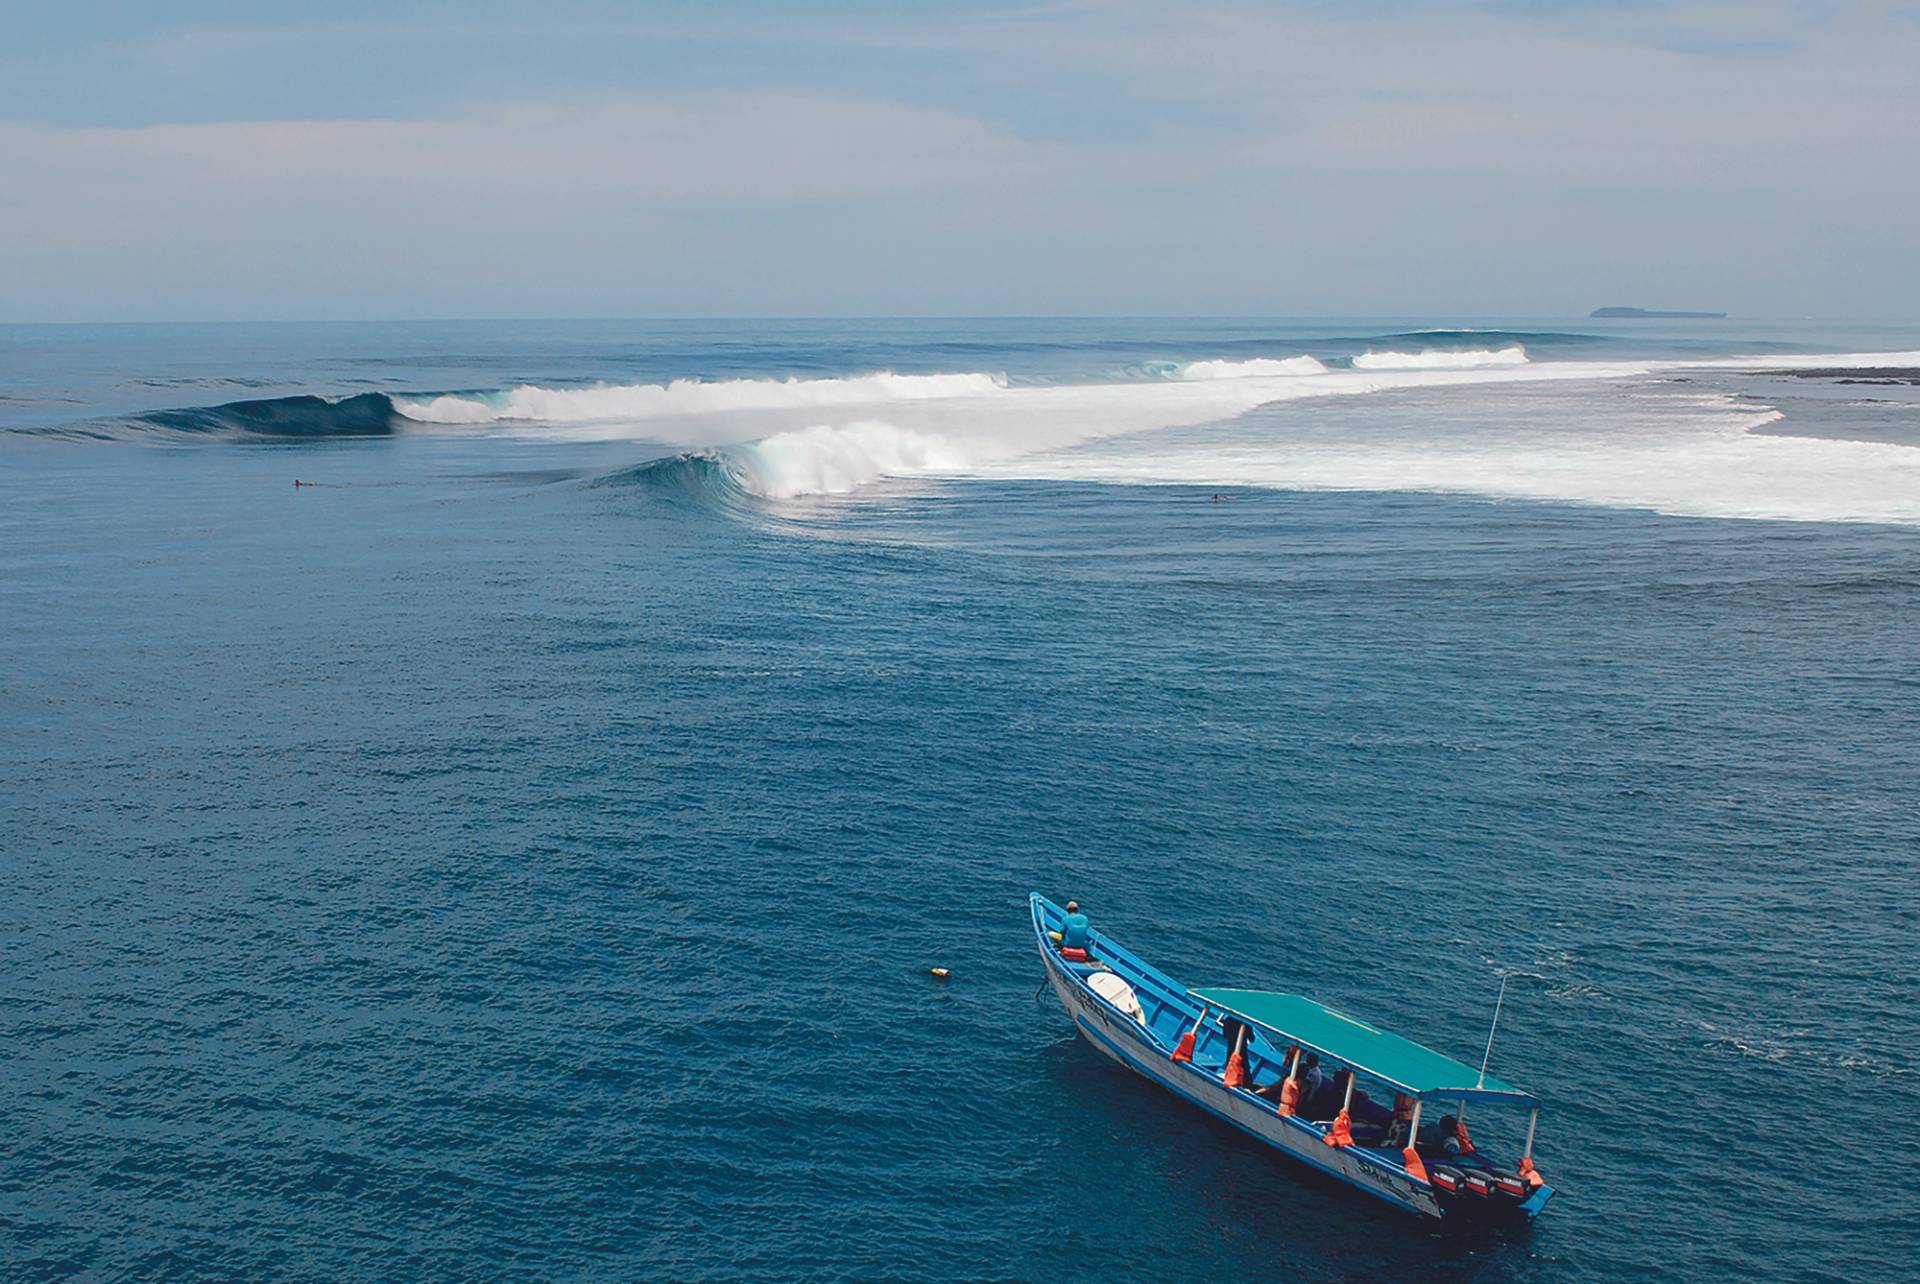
(1065, 157)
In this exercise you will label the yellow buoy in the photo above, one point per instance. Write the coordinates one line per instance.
(938, 971)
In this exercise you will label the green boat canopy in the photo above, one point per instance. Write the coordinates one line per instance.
(1401, 1062)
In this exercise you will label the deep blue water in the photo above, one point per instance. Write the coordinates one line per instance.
(508, 858)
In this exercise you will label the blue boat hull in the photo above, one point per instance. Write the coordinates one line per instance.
(1145, 1044)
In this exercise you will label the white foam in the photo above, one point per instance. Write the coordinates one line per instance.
(1584, 442)
(1253, 368)
(1442, 359)
(1802, 361)
(605, 403)
(780, 458)
(830, 460)
(1603, 443)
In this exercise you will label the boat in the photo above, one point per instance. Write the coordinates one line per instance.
(1240, 1055)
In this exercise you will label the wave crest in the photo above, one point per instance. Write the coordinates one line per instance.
(1442, 359)
(531, 403)
(370, 414)
(834, 460)
(1257, 367)
(828, 459)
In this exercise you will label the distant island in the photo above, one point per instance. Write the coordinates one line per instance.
(1654, 312)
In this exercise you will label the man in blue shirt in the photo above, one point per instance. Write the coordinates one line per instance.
(1075, 934)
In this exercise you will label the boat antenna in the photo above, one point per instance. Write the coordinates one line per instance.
(1490, 1029)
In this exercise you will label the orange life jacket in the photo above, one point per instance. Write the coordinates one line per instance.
(1341, 1133)
(1289, 1096)
(1236, 1076)
(1415, 1168)
(1531, 1173)
(1460, 1134)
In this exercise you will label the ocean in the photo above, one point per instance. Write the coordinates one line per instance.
(519, 848)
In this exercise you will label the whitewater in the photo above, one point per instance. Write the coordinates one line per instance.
(1663, 447)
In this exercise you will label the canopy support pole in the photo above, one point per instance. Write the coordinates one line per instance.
(1533, 1122)
(1413, 1125)
(1347, 1101)
(1490, 1032)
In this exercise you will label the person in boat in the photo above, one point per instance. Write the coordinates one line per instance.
(1338, 1099)
(1320, 1095)
(1076, 933)
(1277, 1090)
(1311, 1082)
(1306, 1073)
(1400, 1128)
(1446, 1141)
(1327, 1100)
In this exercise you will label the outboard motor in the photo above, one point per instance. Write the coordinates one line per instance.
(1478, 1182)
(1446, 1179)
(1510, 1184)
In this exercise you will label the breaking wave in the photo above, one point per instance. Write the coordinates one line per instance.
(833, 460)
(775, 439)
(1442, 359)
(824, 460)
(1258, 367)
(601, 402)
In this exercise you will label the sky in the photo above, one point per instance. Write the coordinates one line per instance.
(250, 161)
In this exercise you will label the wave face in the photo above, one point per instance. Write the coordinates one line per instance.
(1442, 359)
(530, 403)
(305, 418)
(705, 478)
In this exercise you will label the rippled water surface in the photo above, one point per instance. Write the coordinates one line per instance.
(509, 860)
